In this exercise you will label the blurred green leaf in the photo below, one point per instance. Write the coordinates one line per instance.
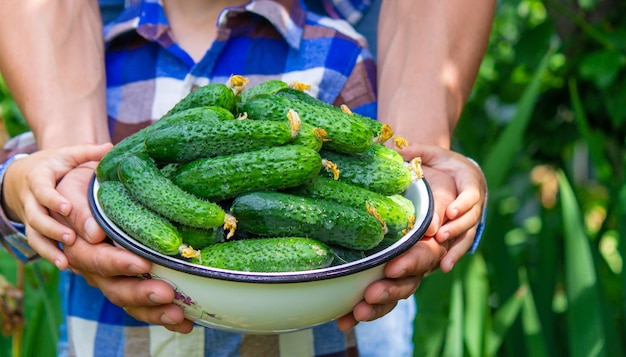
(454, 335)
(594, 139)
(532, 39)
(510, 141)
(42, 312)
(587, 4)
(433, 304)
(503, 319)
(585, 327)
(621, 216)
(617, 36)
(10, 114)
(535, 338)
(476, 302)
(14, 121)
(601, 67)
(615, 100)
(45, 314)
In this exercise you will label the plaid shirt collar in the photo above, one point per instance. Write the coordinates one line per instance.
(148, 19)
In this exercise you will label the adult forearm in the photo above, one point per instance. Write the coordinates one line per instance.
(51, 58)
(429, 52)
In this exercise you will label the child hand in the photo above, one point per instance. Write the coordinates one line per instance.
(458, 207)
(30, 196)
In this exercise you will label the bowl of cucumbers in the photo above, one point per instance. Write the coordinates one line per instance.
(268, 224)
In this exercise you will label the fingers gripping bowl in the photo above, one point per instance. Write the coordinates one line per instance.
(265, 303)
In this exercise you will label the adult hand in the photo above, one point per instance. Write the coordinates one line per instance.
(403, 276)
(456, 221)
(114, 270)
(459, 192)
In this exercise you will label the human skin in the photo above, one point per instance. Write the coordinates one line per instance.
(52, 60)
(27, 194)
(428, 56)
(113, 270)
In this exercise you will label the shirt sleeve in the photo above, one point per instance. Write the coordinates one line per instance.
(349, 10)
(483, 218)
(11, 233)
(479, 232)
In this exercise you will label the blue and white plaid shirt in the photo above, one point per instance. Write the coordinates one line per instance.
(147, 73)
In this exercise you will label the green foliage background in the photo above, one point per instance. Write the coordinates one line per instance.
(547, 123)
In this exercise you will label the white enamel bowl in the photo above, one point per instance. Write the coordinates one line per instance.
(266, 303)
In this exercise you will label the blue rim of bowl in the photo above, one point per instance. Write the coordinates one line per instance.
(381, 257)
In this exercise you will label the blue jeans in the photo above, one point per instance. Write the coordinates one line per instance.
(391, 335)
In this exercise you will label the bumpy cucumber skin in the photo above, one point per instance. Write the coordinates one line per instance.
(307, 137)
(374, 125)
(148, 185)
(387, 177)
(357, 197)
(213, 94)
(196, 114)
(285, 254)
(344, 134)
(107, 168)
(225, 177)
(406, 204)
(139, 222)
(270, 86)
(199, 238)
(281, 214)
(384, 152)
(168, 170)
(344, 255)
(408, 208)
(291, 92)
(184, 142)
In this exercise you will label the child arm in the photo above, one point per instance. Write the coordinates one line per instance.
(29, 194)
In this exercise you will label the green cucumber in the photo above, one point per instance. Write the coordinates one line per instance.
(380, 131)
(394, 215)
(310, 136)
(199, 238)
(373, 172)
(343, 133)
(284, 254)
(148, 185)
(225, 177)
(384, 152)
(406, 204)
(269, 86)
(184, 142)
(344, 255)
(199, 113)
(307, 135)
(279, 214)
(136, 220)
(168, 170)
(134, 143)
(213, 94)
